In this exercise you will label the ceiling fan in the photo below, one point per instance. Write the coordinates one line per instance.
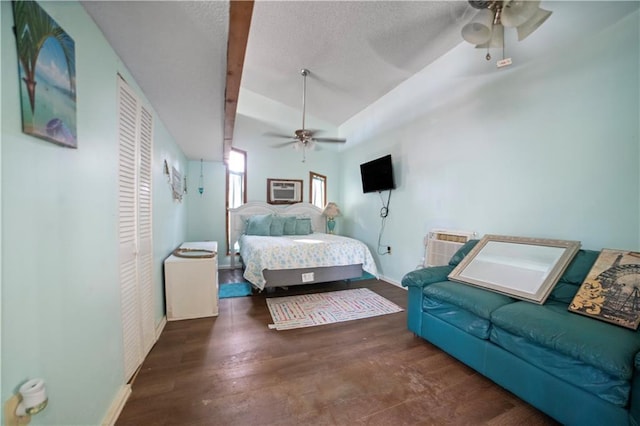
(304, 138)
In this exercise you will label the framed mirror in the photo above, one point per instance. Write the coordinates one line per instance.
(524, 268)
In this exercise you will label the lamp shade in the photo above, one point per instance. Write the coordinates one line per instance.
(517, 12)
(532, 24)
(478, 31)
(331, 210)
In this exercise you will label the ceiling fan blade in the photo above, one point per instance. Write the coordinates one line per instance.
(278, 135)
(334, 140)
(280, 145)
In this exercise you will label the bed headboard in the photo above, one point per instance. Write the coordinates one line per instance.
(239, 215)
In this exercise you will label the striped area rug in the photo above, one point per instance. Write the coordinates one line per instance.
(307, 310)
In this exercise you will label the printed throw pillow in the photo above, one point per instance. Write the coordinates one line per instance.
(259, 225)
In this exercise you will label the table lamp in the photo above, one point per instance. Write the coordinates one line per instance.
(331, 211)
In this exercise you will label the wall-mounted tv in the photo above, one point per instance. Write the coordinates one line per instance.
(377, 175)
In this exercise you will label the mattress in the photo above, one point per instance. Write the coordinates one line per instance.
(301, 251)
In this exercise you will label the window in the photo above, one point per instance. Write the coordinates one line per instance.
(236, 184)
(317, 189)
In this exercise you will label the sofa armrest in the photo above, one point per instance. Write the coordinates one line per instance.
(425, 276)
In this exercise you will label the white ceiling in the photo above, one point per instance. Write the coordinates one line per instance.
(356, 51)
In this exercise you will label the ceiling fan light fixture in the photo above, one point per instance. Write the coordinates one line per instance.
(478, 31)
(497, 38)
(532, 24)
(303, 138)
(479, 4)
(523, 15)
(517, 12)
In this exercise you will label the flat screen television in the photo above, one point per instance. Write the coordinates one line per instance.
(377, 175)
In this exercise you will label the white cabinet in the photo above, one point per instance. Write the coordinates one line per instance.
(191, 284)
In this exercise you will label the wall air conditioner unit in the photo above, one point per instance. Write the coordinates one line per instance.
(283, 191)
(441, 244)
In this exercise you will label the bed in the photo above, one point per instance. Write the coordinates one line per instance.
(288, 260)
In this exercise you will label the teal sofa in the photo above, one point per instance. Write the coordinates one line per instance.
(578, 370)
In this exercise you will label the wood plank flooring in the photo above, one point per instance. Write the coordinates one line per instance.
(234, 370)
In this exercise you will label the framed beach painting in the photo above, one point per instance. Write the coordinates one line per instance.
(46, 57)
(611, 291)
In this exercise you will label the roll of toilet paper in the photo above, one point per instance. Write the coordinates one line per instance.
(34, 395)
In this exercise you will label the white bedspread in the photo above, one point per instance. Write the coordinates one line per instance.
(301, 251)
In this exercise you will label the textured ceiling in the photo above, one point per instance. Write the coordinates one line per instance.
(176, 52)
(357, 51)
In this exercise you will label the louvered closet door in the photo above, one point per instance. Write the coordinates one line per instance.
(135, 138)
(145, 243)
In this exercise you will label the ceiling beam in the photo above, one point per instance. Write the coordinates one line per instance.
(239, 23)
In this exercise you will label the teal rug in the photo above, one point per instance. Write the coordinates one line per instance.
(365, 276)
(234, 290)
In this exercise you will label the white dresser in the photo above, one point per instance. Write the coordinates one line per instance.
(191, 284)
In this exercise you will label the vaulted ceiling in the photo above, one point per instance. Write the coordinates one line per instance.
(356, 50)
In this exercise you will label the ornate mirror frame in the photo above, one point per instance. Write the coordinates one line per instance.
(524, 268)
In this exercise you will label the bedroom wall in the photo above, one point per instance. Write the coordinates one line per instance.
(266, 160)
(546, 148)
(60, 290)
(206, 213)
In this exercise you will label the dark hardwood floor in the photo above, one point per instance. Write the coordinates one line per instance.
(234, 370)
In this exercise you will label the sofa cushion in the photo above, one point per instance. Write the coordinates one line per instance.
(425, 276)
(475, 300)
(573, 276)
(591, 379)
(458, 317)
(605, 346)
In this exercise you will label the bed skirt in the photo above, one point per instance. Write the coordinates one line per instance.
(290, 277)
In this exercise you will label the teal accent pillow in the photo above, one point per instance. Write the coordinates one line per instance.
(462, 252)
(277, 226)
(570, 281)
(303, 226)
(289, 225)
(259, 225)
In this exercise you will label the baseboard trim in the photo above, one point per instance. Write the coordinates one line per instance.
(117, 405)
(390, 281)
(160, 327)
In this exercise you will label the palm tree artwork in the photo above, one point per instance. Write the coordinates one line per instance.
(46, 54)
